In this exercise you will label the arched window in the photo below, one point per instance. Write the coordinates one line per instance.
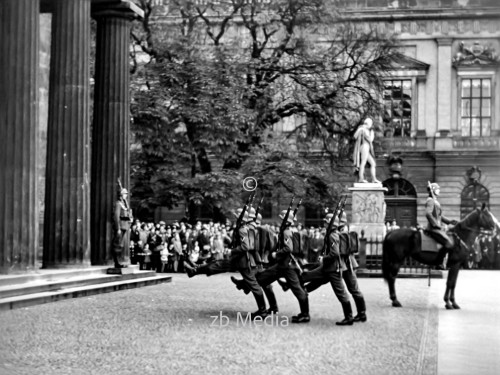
(473, 196)
(399, 187)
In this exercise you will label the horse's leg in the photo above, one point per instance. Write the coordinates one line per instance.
(451, 282)
(391, 281)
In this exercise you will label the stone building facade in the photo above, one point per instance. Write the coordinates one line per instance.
(442, 104)
(49, 62)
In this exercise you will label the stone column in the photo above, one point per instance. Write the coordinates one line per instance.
(368, 210)
(111, 127)
(19, 27)
(66, 240)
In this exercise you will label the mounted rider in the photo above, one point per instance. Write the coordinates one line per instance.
(435, 220)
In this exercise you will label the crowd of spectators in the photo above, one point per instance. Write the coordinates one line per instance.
(164, 248)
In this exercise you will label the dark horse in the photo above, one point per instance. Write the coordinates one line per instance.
(402, 243)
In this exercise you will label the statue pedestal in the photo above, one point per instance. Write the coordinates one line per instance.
(368, 209)
(122, 271)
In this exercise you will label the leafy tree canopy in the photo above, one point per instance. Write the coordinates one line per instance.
(214, 80)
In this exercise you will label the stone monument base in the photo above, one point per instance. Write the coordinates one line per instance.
(368, 209)
(369, 230)
(122, 271)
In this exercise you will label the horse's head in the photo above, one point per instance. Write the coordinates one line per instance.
(480, 219)
(486, 219)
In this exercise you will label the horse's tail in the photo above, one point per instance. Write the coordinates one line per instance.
(387, 249)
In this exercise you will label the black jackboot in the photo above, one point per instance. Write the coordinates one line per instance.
(303, 317)
(361, 308)
(240, 284)
(190, 270)
(271, 298)
(348, 320)
(261, 304)
(284, 285)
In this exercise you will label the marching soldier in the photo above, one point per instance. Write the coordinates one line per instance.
(287, 268)
(349, 275)
(243, 260)
(256, 251)
(122, 220)
(435, 218)
(331, 269)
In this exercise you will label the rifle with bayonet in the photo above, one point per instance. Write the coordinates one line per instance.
(283, 225)
(340, 206)
(299, 267)
(236, 240)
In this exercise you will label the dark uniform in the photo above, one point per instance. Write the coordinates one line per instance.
(331, 270)
(348, 275)
(287, 268)
(256, 252)
(122, 219)
(243, 260)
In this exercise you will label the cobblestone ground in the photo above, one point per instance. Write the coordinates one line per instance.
(168, 329)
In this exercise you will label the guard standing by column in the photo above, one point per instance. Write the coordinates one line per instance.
(122, 220)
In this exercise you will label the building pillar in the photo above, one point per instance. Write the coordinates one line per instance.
(111, 127)
(66, 240)
(19, 27)
(444, 86)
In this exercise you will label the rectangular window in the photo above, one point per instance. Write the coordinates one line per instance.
(475, 107)
(398, 106)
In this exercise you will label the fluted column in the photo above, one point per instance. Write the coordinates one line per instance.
(19, 27)
(67, 193)
(110, 130)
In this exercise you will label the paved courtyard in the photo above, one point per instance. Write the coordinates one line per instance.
(171, 329)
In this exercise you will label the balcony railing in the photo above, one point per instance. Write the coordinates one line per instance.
(416, 4)
(482, 143)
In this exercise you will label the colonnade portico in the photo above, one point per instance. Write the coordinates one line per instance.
(81, 170)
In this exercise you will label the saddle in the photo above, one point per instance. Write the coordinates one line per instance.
(428, 243)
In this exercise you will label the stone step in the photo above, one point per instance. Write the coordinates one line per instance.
(31, 299)
(42, 275)
(68, 281)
